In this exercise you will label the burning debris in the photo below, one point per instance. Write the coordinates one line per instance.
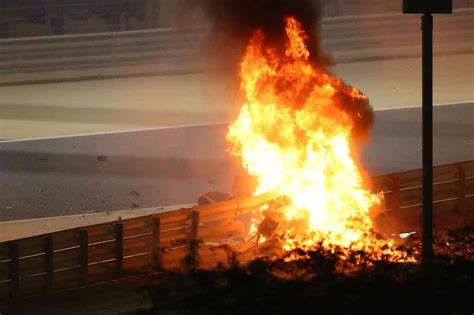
(213, 196)
(299, 133)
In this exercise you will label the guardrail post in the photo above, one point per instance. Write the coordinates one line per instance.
(191, 260)
(461, 187)
(194, 225)
(14, 270)
(395, 192)
(49, 252)
(156, 243)
(118, 249)
(84, 257)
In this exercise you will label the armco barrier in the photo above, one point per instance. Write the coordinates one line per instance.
(453, 197)
(110, 251)
(101, 253)
(135, 53)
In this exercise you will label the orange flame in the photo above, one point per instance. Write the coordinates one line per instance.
(295, 138)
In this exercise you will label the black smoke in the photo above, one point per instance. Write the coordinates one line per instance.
(233, 21)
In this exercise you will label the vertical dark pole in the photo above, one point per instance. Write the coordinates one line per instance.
(427, 152)
(118, 249)
(84, 257)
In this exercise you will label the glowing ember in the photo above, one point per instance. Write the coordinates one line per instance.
(294, 135)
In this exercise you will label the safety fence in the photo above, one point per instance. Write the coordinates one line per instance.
(166, 50)
(112, 251)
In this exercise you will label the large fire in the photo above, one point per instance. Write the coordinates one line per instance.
(295, 137)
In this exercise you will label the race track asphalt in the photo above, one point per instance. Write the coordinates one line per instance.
(167, 166)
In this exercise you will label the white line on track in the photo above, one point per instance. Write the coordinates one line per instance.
(116, 132)
(193, 125)
(416, 106)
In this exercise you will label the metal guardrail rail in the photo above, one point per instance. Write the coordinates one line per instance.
(453, 197)
(148, 52)
(112, 251)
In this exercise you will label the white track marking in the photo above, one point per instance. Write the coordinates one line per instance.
(416, 106)
(115, 132)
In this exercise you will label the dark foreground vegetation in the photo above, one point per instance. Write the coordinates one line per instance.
(326, 284)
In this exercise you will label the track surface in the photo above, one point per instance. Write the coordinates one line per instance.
(160, 167)
(71, 108)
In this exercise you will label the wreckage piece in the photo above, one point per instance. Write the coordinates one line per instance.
(267, 227)
(231, 208)
(213, 196)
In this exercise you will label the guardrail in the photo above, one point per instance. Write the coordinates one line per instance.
(100, 253)
(107, 252)
(453, 197)
(149, 52)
